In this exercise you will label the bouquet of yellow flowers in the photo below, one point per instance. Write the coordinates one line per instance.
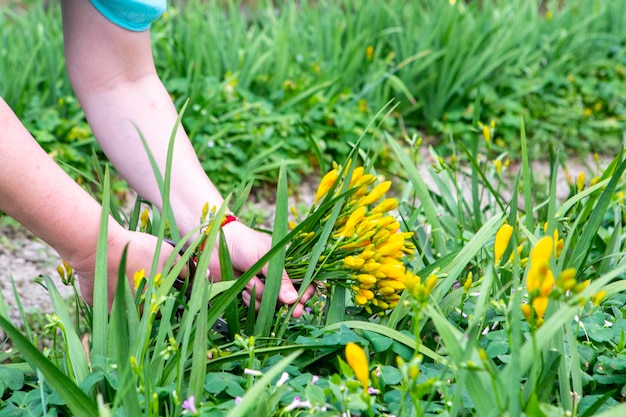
(366, 251)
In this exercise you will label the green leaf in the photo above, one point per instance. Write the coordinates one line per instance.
(127, 392)
(76, 400)
(267, 311)
(77, 357)
(315, 395)
(390, 375)
(217, 382)
(379, 342)
(10, 378)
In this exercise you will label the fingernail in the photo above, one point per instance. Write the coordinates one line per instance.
(291, 296)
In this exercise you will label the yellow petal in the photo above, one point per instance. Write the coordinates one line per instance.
(358, 362)
(326, 184)
(503, 236)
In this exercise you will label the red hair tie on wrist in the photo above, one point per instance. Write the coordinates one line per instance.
(228, 219)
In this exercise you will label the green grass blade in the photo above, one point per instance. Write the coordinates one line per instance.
(231, 314)
(100, 310)
(273, 281)
(77, 357)
(199, 356)
(453, 270)
(527, 177)
(127, 391)
(74, 397)
(423, 194)
(584, 246)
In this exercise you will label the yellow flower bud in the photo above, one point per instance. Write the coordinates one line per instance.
(392, 283)
(145, 216)
(540, 305)
(328, 181)
(566, 280)
(366, 293)
(360, 300)
(366, 279)
(205, 211)
(503, 236)
(365, 180)
(138, 276)
(392, 270)
(356, 176)
(580, 182)
(487, 133)
(353, 262)
(356, 358)
(597, 298)
(580, 287)
(356, 216)
(498, 164)
(386, 205)
(376, 194)
(61, 272)
(393, 245)
(370, 266)
(431, 282)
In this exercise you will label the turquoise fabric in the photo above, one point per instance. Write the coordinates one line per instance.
(135, 15)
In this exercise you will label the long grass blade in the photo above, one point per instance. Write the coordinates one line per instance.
(74, 397)
(274, 277)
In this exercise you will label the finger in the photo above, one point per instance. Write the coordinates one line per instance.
(288, 293)
(297, 311)
(258, 286)
(246, 296)
(308, 293)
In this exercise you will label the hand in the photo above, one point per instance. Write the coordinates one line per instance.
(246, 247)
(141, 249)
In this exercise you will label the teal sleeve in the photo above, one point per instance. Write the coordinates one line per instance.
(135, 15)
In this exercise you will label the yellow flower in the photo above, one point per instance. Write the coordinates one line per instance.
(503, 236)
(357, 173)
(539, 257)
(356, 216)
(376, 194)
(157, 279)
(366, 279)
(487, 133)
(358, 362)
(498, 164)
(392, 245)
(566, 281)
(369, 53)
(386, 206)
(540, 305)
(326, 184)
(597, 298)
(353, 262)
(580, 182)
(392, 270)
(138, 276)
(145, 216)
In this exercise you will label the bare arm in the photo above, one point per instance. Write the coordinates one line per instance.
(38, 194)
(113, 74)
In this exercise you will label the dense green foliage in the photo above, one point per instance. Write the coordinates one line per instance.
(494, 327)
(270, 84)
